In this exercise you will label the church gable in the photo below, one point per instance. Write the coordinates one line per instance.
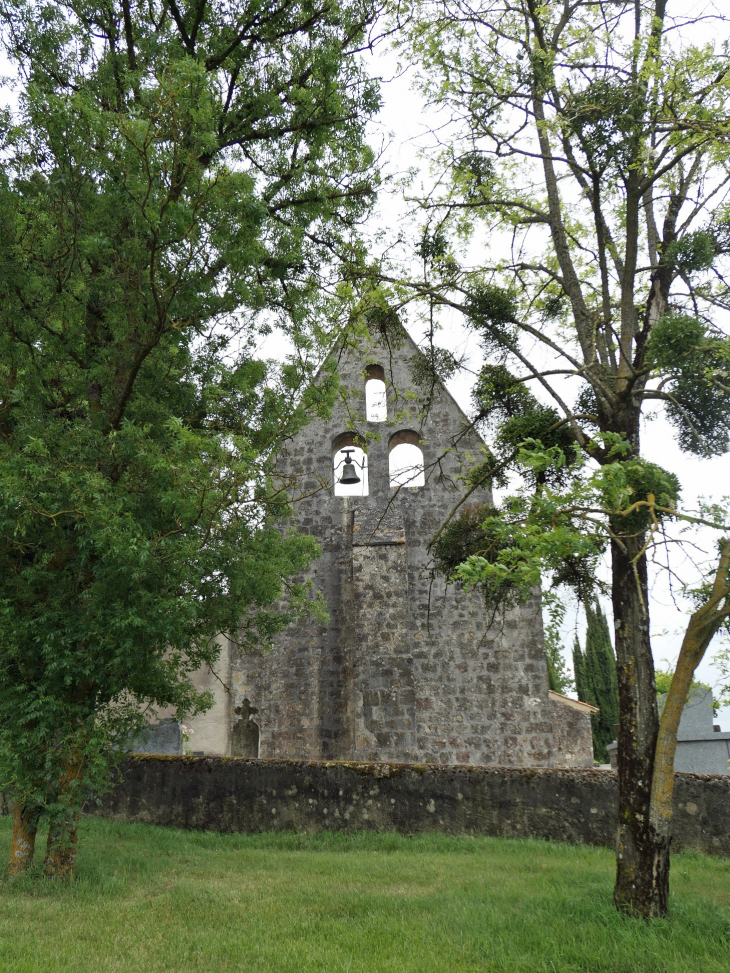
(413, 435)
(407, 669)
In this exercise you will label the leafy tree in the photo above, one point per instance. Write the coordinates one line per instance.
(177, 180)
(586, 146)
(664, 679)
(601, 665)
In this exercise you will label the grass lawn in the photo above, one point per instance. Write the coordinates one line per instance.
(152, 899)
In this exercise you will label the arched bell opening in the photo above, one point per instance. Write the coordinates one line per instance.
(376, 400)
(405, 460)
(349, 466)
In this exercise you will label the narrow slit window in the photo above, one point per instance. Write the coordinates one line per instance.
(406, 460)
(376, 402)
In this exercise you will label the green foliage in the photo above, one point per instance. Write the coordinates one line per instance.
(600, 671)
(605, 117)
(433, 245)
(556, 535)
(477, 534)
(431, 365)
(696, 361)
(576, 571)
(529, 540)
(542, 425)
(476, 171)
(499, 396)
(582, 683)
(491, 310)
(632, 482)
(490, 306)
(165, 202)
(384, 323)
(554, 306)
(663, 680)
(490, 472)
(595, 679)
(675, 339)
(586, 406)
(700, 413)
(693, 252)
(558, 676)
(460, 538)
(505, 404)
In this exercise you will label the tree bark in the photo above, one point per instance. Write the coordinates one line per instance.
(22, 843)
(642, 856)
(702, 627)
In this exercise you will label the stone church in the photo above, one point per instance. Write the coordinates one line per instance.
(408, 668)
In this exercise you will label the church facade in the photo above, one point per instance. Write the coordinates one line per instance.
(407, 669)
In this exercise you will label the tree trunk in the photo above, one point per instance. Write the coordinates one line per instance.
(642, 856)
(701, 629)
(61, 848)
(22, 843)
(63, 839)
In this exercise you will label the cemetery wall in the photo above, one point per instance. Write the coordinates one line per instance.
(240, 794)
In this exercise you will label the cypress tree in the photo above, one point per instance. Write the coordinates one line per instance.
(600, 676)
(582, 684)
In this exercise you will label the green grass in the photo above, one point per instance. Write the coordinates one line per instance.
(155, 899)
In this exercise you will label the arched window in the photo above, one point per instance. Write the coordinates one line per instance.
(406, 460)
(376, 403)
(349, 460)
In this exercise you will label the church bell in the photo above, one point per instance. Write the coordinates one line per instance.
(349, 474)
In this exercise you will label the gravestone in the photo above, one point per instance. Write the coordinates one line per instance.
(702, 748)
(245, 732)
(165, 737)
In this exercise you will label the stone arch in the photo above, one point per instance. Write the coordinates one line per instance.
(405, 459)
(355, 443)
(376, 397)
(246, 733)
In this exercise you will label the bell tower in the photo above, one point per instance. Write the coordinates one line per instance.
(407, 669)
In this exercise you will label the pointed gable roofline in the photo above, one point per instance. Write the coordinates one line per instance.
(393, 341)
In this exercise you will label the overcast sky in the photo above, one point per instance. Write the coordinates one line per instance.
(404, 124)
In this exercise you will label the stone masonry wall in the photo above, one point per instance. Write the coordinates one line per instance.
(572, 734)
(580, 806)
(385, 696)
(406, 669)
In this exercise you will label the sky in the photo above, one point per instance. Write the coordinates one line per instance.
(403, 125)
